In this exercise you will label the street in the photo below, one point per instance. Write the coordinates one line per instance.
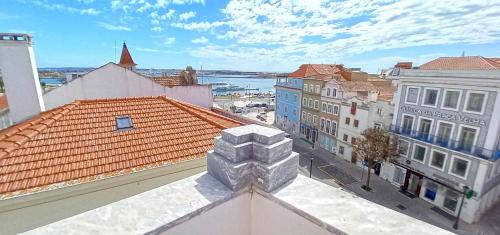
(337, 172)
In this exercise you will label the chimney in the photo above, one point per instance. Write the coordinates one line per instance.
(20, 76)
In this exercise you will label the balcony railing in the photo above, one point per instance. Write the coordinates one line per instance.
(459, 146)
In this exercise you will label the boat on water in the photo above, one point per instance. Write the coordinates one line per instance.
(227, 88)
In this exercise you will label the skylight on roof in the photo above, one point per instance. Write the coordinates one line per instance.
(124, 122)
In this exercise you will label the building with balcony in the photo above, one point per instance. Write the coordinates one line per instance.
(447, 123)
(252, 187)
(288, 108)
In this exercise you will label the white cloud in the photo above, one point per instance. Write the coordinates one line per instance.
(201, 26)
(182, 2)
(328, 31)
(157, 29)
(61, 7)
(111, 27)
(200, 40)
(187, 15)
(147, 49)
(168, 41)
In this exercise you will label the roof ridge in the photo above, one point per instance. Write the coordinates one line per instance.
(92, 101)
(488, 61)
(183, 106)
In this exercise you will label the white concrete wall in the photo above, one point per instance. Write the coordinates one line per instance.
(231, 217)
(31, 211)
(270, 218)
(113, 81)
(20, 76)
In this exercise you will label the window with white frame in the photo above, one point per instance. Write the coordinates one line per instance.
(328, 124)
(318, 91)
(444, 133)
(334, 129)
(323, 107)
(438, 159)
(334, 92)
(310, 103)
(341, 150)
(336, 109)
(316, 104)
(430, 97)
(459, 167)
(303, 116)
(412, 95)
(419, 152)
(322, 124)
(475, 102)
(315, 119)
(330, 107)
(379, 111)
(451, 99)
(309, 118)
(304, 102)
(424, 128)
(467, 137)
(327, 91)
(407, 123)
(305, 87)
(403, 146)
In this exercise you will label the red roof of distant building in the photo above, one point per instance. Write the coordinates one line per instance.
(126, 58)
(404, 65)
(461, 63)
(79, 142)
(309, 70)
(3, 102)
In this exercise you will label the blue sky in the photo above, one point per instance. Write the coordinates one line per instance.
(254, 35)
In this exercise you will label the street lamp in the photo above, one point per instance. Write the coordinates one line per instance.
(466, 191)
(311, 167)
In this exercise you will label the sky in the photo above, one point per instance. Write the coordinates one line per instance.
(273, 36)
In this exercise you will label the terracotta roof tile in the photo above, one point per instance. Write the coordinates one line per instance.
(461, 63)
(3, 102)
(79, 142)
(309, 70)
(404, 65)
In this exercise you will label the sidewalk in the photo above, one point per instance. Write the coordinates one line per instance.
(335, 171)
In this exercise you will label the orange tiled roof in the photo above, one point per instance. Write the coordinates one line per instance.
(461, 63)
(170, 81)
(358, 86)
(126, 58)
(404, 65)
(3, 102)
(78, 142)
(309, 70)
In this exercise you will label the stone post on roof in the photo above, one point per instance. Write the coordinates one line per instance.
(253, 155)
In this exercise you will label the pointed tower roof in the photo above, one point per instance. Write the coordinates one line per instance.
(126, 59)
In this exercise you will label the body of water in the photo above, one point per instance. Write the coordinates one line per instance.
(52, 81)
(264, 85)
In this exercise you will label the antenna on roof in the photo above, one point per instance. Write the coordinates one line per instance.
(115, 51)
(201, 72)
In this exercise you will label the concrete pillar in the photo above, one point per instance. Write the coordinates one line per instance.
(253, 155)
(20, 76)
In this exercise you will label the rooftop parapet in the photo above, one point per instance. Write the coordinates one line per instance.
(253, 155)
(16, 37)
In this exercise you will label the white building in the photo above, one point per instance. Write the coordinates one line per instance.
(359, 105)
(447, 121)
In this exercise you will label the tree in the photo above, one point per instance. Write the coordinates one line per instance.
(373, 147)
